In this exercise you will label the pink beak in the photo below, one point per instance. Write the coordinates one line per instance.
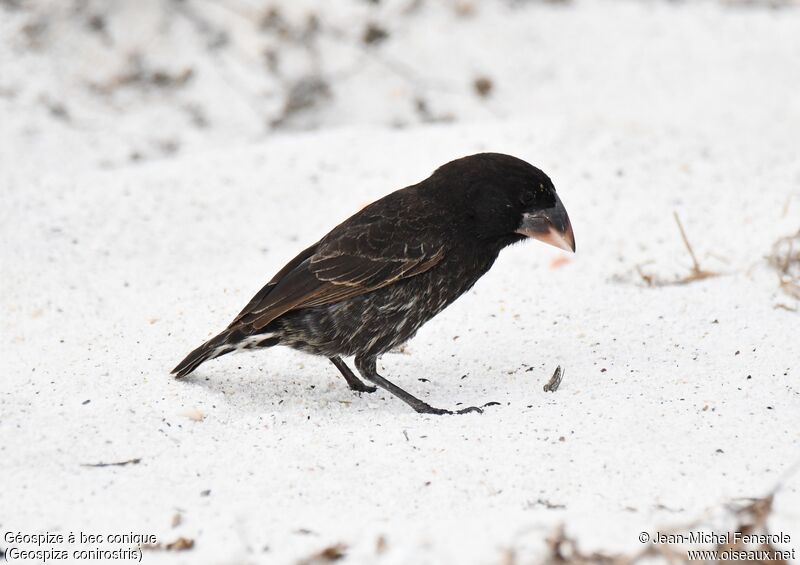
(550, 225)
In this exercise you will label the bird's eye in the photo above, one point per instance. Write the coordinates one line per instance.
(527, 197)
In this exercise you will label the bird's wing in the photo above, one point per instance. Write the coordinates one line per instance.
(261, 295)
(377, 247)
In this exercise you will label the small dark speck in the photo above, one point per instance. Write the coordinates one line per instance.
(483, 86)
(85, 402)
(715, 322)
(769, 408)
(603, 370)
(463, 377)
(737, 353)
(374, 34)
(719, 450)
(205, 492)
(97, 23)
(423, 380)
(749, 377)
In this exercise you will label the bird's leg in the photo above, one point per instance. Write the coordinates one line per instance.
(352, 381)
(367, 367)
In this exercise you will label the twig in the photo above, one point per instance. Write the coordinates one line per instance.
(787, 265)
(117, 464)
(788, 260)
(686, 242)
(648, 279)
(696, 274)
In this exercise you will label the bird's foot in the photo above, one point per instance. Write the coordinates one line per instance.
(352, 381)
(423, 408)
(361, 387)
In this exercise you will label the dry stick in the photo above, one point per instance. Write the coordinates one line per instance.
(118, 464)
(686, 243)
(788, 257)
(696, 273)
(646, 278)
(787, 282)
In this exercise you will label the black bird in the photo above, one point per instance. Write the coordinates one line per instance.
(377, 277)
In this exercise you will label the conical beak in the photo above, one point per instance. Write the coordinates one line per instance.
(550, 225)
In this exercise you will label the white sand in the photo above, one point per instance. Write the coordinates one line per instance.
(676, 399)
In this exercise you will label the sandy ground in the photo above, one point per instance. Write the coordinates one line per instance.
(677, 399)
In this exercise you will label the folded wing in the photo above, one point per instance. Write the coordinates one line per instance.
(389, 240)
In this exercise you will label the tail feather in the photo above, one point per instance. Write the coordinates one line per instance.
(214, 347)
(226, 342)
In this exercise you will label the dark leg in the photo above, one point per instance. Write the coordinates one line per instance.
(366, 366)
(352, 381)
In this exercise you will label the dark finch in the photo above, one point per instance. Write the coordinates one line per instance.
(377, 277)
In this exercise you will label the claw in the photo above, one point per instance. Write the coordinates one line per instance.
(428, 409)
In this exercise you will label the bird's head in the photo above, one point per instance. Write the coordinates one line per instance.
(508, 199)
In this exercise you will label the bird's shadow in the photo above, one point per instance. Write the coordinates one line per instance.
(308, 388)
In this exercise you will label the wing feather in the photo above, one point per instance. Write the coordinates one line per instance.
(366, 252)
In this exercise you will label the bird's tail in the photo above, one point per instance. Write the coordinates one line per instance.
(218, 345)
